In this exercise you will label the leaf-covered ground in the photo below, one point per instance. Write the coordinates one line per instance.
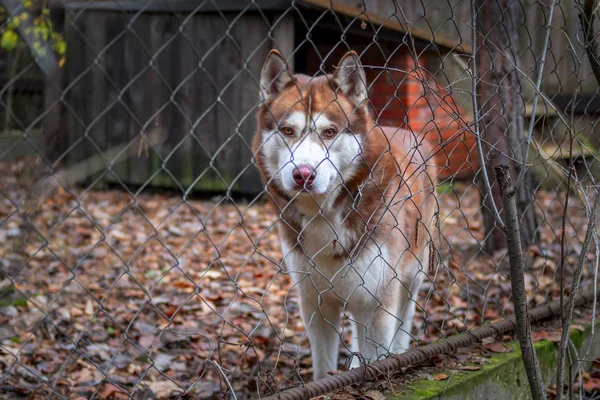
(150, 296)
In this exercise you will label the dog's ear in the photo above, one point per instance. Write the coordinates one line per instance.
(350, 77)
(274, 76)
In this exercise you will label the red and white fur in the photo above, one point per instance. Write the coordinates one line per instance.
(356, 206)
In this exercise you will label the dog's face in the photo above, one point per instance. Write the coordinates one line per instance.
(312, 128)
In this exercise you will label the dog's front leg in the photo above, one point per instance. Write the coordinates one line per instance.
(407, 304)
(323, 324)
(321, 316)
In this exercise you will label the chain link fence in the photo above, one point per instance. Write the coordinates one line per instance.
(141, 227)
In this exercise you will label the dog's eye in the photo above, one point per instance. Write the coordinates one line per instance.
(330, 132)
(286, 130)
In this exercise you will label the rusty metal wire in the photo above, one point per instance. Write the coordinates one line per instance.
(140, 255)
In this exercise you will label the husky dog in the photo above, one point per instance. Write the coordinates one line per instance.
(356, 205)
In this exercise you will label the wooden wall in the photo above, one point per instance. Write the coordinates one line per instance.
(567, 67)
(191, 82)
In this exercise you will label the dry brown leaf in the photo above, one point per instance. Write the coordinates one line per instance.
(440, 377)
(109, 391)
(469, 368)
(578, 327)
(553, 336)
(491, 313)
(497, 347)
(374, 395)
(89, 308)
(591, 384)
(164, 388)
(340, 396)
(488, 340)
(539, 335)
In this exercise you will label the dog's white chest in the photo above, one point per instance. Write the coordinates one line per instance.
(324, 253)
(326, 236)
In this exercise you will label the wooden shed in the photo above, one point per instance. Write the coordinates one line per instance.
(164, 93)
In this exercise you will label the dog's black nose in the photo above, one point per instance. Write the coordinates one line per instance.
(304, 175)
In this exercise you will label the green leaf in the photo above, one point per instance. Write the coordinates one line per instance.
(60, 47)
(9, 39)
(150, 274)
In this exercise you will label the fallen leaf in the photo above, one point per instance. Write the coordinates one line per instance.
(162, 361)
(212, 274)
(491, 313)
(89, 308)
(374, 395)
(164, 389)
(553, 336)
(497, 347)
(578, 327)
(341, 396)
(146, 341)
(440, 377)
(176, 231)
(585, 375)
(539, 335)
(469, 368)
(591, 384)
(76, 312)
(110, 391)
(488, 340)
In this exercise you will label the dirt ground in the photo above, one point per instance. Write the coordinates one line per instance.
(152, 296)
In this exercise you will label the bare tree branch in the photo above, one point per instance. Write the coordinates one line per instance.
(587, 18)
(568, 313)
(513, 239)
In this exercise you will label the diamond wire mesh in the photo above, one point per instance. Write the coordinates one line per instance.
(113, 287)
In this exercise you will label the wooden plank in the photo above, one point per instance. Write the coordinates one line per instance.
(386, 22)
(54, 121)
(185, 99)
(541, 110)
(229, 60)
(75, 55)
(95, 40)
(136, 60)
(113, 124)
(166, 6)
(146, 96)
(562, 152)
(580, 104)
(207, 31)
(80, 58)
(162, 28)
(250, 33)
